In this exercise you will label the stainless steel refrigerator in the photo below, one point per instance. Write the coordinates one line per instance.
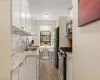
(56, 45)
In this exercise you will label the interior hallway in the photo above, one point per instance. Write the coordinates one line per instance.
(48, 71)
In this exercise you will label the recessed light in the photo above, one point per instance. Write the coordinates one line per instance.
(46, 15)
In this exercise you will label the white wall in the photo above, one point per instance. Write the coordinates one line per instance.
(5, 40)
(86, 49)
(57, 23)
(45, 28)
(63, 41)
(38, 23)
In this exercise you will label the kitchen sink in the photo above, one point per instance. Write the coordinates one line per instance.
(31, 49)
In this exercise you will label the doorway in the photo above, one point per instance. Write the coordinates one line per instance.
(45, 38)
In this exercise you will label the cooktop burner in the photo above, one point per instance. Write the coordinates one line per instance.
(66, 49)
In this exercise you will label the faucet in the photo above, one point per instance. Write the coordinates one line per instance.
(27, 42)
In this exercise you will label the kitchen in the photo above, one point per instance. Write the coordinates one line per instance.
(49, 40)
(21, 61)
(28, 37)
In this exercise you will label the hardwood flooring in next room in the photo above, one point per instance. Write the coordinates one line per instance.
(48, 71)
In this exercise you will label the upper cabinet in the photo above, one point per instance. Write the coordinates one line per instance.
(28, 18)
(23, 14)
(30, 22)
(16, 16)
(21, 17)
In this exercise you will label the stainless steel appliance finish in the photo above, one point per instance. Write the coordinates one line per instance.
(62, 61)
(56, 46)
(61, 65)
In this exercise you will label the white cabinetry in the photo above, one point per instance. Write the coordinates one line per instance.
(16, 13)
(38, 67)
(15, 74)
(21, 17)
(18, 73)
(31, 68)
(28, 17)
(21, 72)
(28, 70)
(23, 14)
(69, 67)
(30, 24)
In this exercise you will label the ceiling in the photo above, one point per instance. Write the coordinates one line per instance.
(54, 8)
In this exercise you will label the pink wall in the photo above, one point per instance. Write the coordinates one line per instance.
(89, 10)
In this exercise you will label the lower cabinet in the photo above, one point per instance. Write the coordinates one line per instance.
(38, 68)
(28, 70)
(15, 74)
(21, 72)
(69, 68)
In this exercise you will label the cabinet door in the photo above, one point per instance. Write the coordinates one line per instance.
(30, 18)
(16, 13)
(21, 72)
(23, 14)
(69, 69)
(27, 17)
(38, 67)
(15, 74)
(30, 68)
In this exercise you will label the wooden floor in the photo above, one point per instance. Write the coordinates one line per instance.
(48, 71)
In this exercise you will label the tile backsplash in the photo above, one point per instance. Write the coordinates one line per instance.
(18, 43)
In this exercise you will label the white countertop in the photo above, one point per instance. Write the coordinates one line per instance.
(69, 54)
(20, 57)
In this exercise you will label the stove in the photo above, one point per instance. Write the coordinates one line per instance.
(65, 49)
(62, 61)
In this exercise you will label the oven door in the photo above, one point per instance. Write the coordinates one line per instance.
(61, 65)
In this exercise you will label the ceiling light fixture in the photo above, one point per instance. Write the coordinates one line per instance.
(46, 15)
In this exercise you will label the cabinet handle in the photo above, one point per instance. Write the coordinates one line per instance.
(20, 64)
(69, 59)
(22, 27)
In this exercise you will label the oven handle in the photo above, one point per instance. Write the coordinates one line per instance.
(61, 55)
